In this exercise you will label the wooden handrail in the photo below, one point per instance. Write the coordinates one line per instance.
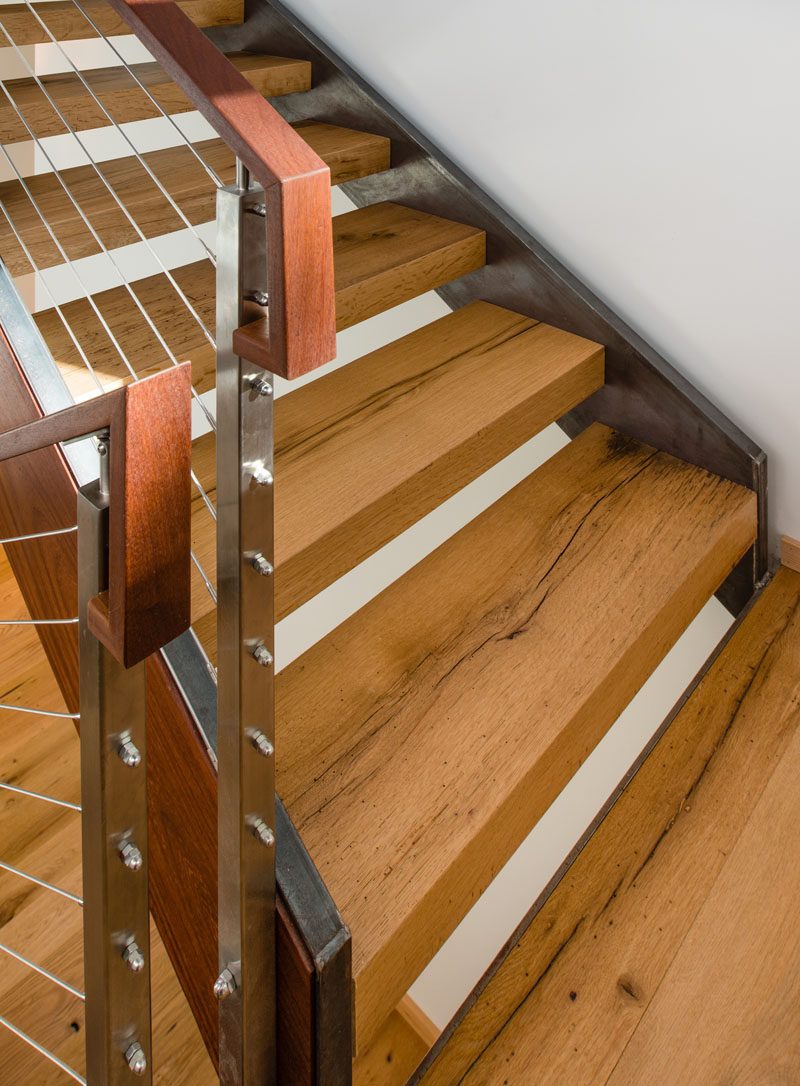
(149, 424)
(296, 182)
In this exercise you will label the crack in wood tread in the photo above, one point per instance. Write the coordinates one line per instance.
(606, 535)
(349, 155)
(123, 98)
(719, 754)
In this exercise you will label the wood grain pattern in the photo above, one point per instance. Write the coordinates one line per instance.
(124, 99)
(296, 182)
(42, 754)
(385, 254)
(366, 259)
(400, 1045)
(474, 688)
(790, 553)
(367, 450)
(67, 24)
(565, 1003)
(347, 153)
(726, 1011)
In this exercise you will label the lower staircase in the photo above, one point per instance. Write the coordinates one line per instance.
(420, 741)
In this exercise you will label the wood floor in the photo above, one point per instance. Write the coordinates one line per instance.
(41, 754)
(669, 953)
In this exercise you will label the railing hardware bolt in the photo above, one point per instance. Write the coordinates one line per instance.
(258, 209)
(133, 957)
(260, 472)
(261, 565)
(260, 297)
(260, 385)
(262, 655)
(130, 856)
(262, 744)
(261, 831)
(129, 752)
(137, 1061)
(225, 984)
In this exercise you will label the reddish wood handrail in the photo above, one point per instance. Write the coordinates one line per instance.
(149, 423)
(302, 321)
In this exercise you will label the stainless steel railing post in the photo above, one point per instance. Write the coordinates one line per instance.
(246, 984)
(116, 914)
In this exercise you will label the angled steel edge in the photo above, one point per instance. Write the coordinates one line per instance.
(644, 396)
(582, 842)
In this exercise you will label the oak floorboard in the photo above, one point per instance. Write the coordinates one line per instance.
(566, 1001)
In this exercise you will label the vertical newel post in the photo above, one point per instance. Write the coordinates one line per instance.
(246, 984)
(116, 914)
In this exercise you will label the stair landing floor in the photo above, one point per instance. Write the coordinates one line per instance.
(669, 952)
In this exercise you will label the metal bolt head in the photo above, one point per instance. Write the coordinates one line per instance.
(261, 565)
(136, 1059)
(260, 297)
(261, 386)
(262, 655)
(262, 744)
(258, 209)
(133, 957)
(225, 984)
(131, 856)
(262, 833)
(260, 472)
(129, 752)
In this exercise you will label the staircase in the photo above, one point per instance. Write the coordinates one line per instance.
(419, 742)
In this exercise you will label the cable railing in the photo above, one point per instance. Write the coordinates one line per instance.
(282, 189)
(133, 582)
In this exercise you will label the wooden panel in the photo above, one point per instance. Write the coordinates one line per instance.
(66, 23)
(385, 254)
(476, 685)
(400, 1045)
(790, 553)
(727, 1009)
(123, 98)
(571, 994)
(349, 154)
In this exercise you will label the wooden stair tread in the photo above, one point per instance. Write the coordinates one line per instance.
(386, 254)
(67, 24)
(422, 739)
(123, 99)
(348, 153)
(451, 250)
(365, 451)
(664, 945)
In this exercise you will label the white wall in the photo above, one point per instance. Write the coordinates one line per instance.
(652, 146)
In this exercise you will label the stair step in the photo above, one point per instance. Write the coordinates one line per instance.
(66, 23)
(445, 252)
(385, 254)
(423, 738)
(123, 99)
(349, 155)
(365, 451)
(614, 980)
